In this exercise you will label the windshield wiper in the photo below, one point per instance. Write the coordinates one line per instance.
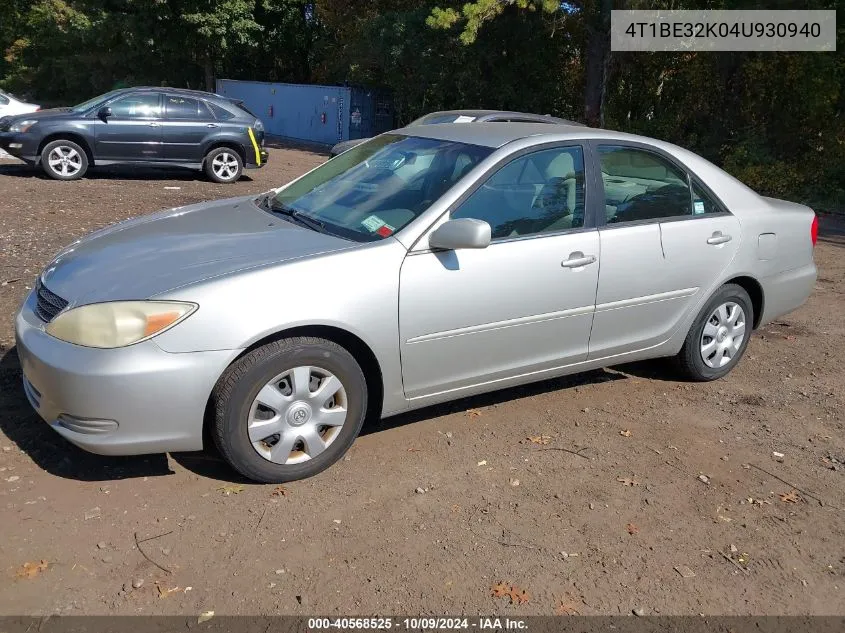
(271, 204)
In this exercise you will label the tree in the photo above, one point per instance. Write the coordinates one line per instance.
(595, 15)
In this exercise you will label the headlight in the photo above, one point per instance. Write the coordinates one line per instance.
(259, 126)
(22, 126)
(118, 323)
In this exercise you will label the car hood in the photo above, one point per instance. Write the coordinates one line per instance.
(149, 255)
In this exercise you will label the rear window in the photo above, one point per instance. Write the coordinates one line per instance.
(242, 106)
(180, 107)
(219, 112)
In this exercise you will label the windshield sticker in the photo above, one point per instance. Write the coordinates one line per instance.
(373, 223)
(464, 119)
(386, 230)
(698, 207)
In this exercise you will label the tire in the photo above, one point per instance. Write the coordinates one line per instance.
(704, 357)
(64, 160)
(242, 416)
(224, 165)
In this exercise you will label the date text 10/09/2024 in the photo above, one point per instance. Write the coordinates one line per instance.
(418, 624)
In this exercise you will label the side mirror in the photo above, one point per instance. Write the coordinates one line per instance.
(104, 113)
(460, 233)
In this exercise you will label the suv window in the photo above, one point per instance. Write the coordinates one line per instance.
(541, 192)
(3, 99)
(219, 112)
(641, 185)
(137, 106)
(180, 107)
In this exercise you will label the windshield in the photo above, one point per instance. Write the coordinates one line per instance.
(87, 105)
(378, 187)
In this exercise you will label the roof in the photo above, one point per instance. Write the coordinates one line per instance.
(482, 115)
(497, 134)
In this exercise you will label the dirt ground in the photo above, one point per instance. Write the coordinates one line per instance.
(636, 492)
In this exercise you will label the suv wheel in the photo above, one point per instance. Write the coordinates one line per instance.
(64, 160)
(223, 164)
(289, 409)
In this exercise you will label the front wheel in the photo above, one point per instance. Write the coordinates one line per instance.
(223, 164)
(289, 410)
(719, 336)
(64, 160)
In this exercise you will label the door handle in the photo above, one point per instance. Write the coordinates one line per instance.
(578, 259)
(718, 238)
(153, 124)
(212, 125)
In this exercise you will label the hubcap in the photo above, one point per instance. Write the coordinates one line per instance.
(297, 415)
(723, 335)
(225, 166)
(64, 160)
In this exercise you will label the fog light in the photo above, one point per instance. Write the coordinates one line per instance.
(86, 425)
(15, 145)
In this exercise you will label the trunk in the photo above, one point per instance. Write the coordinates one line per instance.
(208, 67)
(595, 70)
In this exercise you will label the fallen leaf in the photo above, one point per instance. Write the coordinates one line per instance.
(205, 616)
(790, 497)
(31, 570)
(472, 413)
(628, 481)
(499, 590)
(231, 489)
(539, 439)
(685, 571)
(280, 491)
(563, 608)
(625, 433)
(163, 593)
(518, 596)
(632, 529)
(414, 450)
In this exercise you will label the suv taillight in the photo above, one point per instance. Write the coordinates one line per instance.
(814, 230)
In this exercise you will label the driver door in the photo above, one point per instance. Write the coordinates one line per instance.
(521, 306)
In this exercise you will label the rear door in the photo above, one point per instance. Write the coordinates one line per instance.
(133, 131)
(185, 125)
(665, 240)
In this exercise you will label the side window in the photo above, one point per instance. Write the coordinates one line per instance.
(3, 100)
(136, 106)
(542, 192)
(180, 107)
(219, 112)
(641, 185)
(702, 202)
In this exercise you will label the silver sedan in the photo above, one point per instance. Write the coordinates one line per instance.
(422, 266)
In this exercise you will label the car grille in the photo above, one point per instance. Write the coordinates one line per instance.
(49, 304)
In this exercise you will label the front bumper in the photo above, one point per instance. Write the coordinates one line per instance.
(125, 401)
(20, 145)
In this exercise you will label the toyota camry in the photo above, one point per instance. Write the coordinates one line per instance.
(421, 266)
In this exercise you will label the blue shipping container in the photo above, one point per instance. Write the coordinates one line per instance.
(320, 114)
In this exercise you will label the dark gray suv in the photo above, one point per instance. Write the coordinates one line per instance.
(149, 126)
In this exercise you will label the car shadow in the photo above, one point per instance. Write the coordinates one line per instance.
(116, 172)
(23, 427)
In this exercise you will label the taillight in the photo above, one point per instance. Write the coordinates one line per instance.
(814, 230)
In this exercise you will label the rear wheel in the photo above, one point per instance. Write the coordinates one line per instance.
(719, 336)
(223, 164)
(289, 409)
(64, 160)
